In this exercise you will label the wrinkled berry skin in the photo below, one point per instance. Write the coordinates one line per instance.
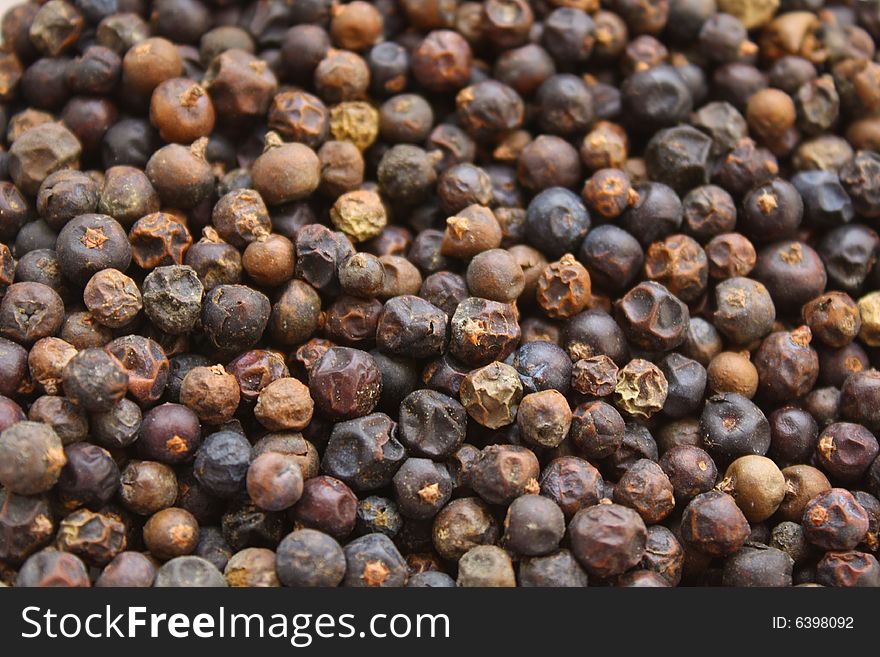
(345, 383)
(848, 568)
(483, 331)
(845, 451)
(412, 327)
(745, 311)
(834, 520)
(573, 483)
(713, 524)
(504, 472)
(787, 366)
(653, 318)
(234, 317)
(364, 452)
(222, 462)
(607, 539)
(432, 424)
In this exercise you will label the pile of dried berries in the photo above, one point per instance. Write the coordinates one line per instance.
(439, 292)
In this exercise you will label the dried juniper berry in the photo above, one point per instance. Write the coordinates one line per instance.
(652, 317)
(410, 326)
(421, 487)
(542, 366)
(189, 571)
(534, 526)
(462, 524)
(170, 433)
(563, 289)
(845, 451)
(690, 469)
(558, 569)
(594, 333)
(657, 97)
(68, 420)
(483, 331)
(471, 231)
(221, 463)
(244, 525)
(757, 485)
(491, 394)
(64, 195)
(95, 380)
(158, 239)
(89, 243)
(849, 254)
(859, 394)
(656, 213)
(544, 418)
(708, 211)
(33, 458)
(211, 393)
(364, 452)
(328, 505)
(787, 366)
(733, 426)
(712, 524)
(234, 316)
(374, 561)
(128, 569)
(345, 383)
(834, 318)
(858, 176)
(793, 435)
(51, 567)
(378, 515)
(848, 568)
(117, 427)
(274, 481)
(307, 557)
(834, 520)
(146, 487)
(573, 483)
(30, 311)
(645, 488)
(612, 256)
(679, 263)
(607, 539)
(792, 272)
(431, 424)
(679, 157)
(758, 566)
(745, 310)
(504, 472)
(595, 376)
(609, 192)
(145, 363)
(641, 388)
(826, 203)
(567, 105)
(556, 221)
(597, 429)
(90, 477)
(173, 298)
